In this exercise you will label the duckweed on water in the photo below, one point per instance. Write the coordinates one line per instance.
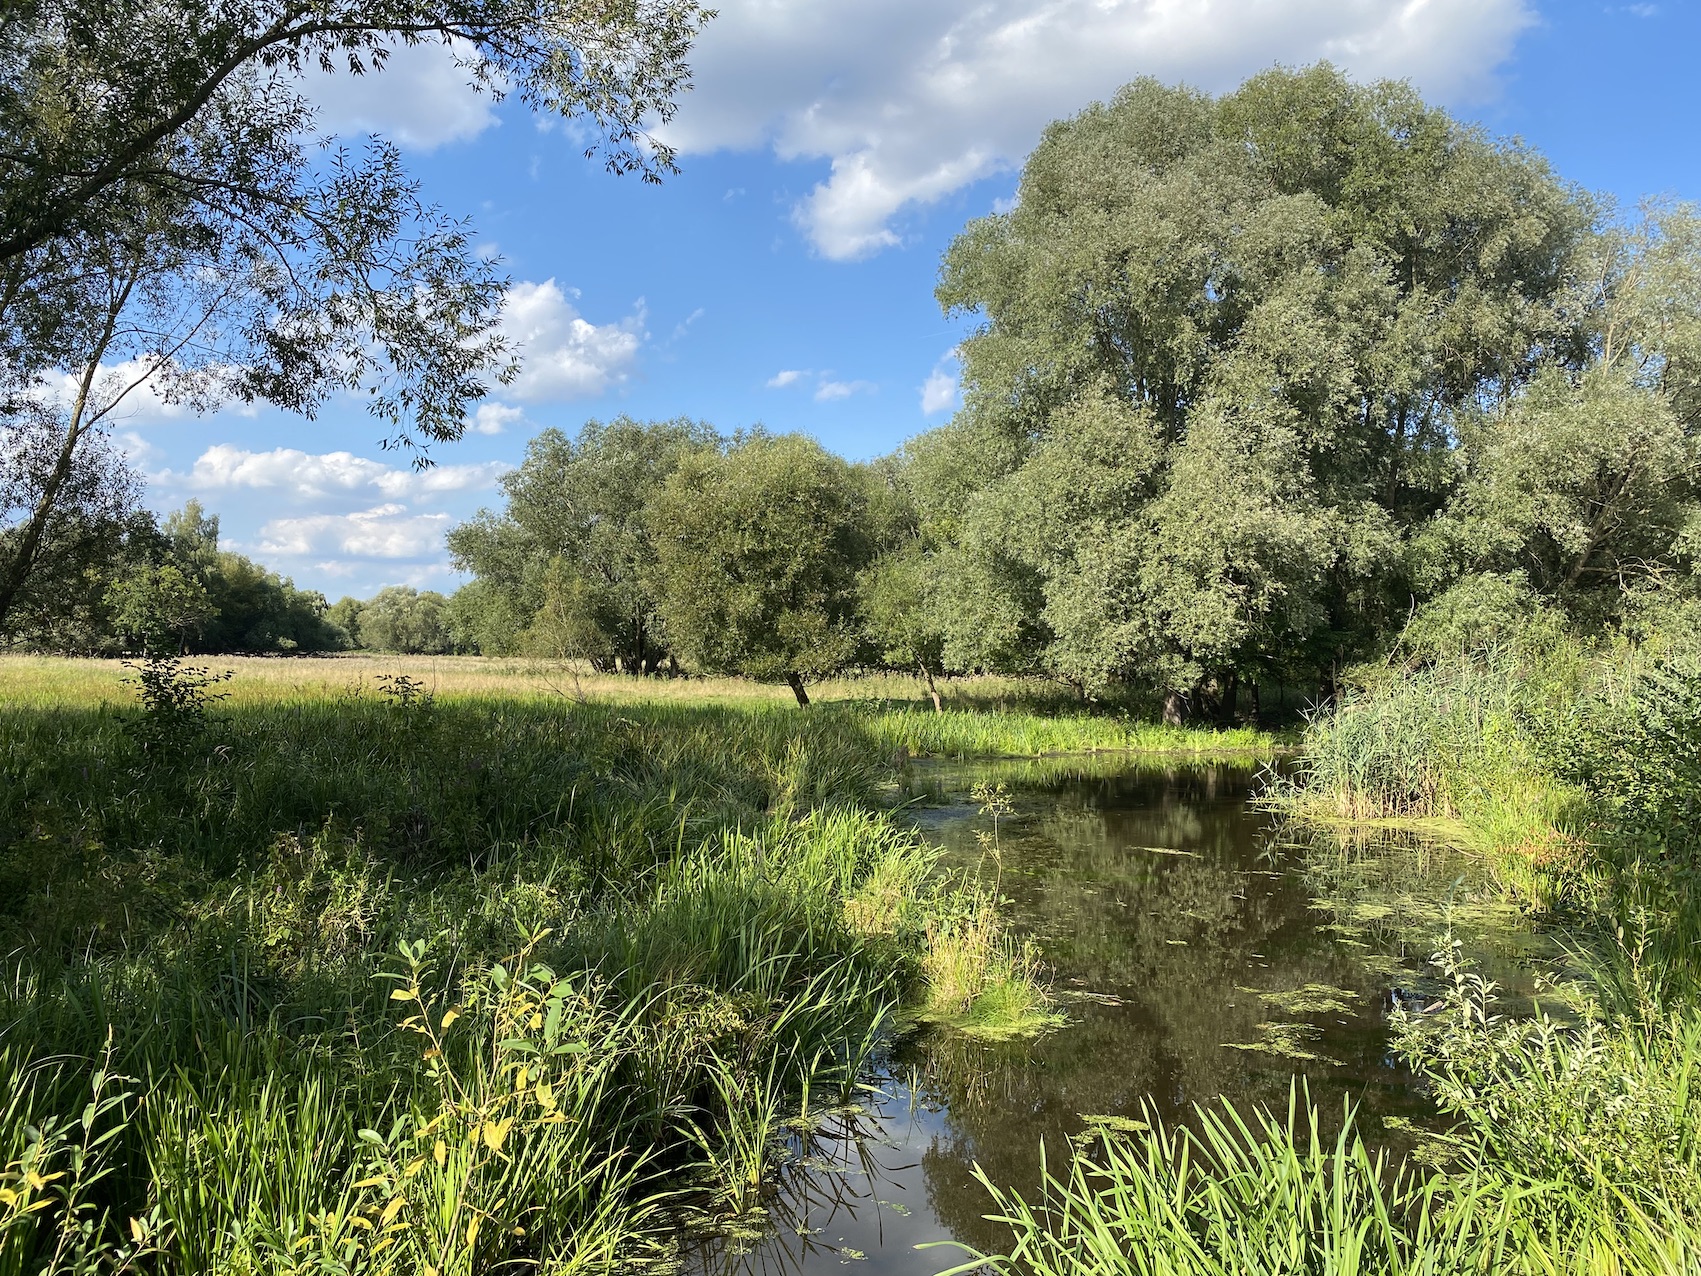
(1313, 999)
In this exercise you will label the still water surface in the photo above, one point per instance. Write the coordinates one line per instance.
(1177, 918)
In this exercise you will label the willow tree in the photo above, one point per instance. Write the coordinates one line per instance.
(759, 549)
(571, 555)
(1225, 345)
(1587, 484)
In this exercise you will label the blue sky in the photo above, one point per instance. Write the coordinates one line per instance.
(830, 150)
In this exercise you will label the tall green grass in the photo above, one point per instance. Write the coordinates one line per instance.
(1574, 1150)
(1451, 751)
(1017, 734)
(385, 984)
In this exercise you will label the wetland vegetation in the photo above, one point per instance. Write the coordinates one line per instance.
(379, 979)
(1328, 479)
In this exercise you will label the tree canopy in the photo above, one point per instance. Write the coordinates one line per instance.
(758, 551)
(569, 560)
(1234, 354)
(167, 220)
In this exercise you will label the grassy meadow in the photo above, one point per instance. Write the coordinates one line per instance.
(371, 964)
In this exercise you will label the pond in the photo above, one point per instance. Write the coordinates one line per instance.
(1200, 952)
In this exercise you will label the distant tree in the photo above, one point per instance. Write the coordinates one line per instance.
(758, 551)
(1226, 346)
(161, 608)
(192, 538)
(403, 619)
(261, 611)
(899, 614)
(255, 610)
(481, 619)
(572, 553)
(344, 615)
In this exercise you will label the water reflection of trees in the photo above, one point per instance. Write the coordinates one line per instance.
(1181, 940)
(1176, 948)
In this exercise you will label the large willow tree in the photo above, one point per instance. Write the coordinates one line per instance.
(1226, 348)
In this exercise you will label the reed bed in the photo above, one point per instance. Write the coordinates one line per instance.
(1573, 1150)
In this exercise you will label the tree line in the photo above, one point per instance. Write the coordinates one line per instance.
(147, 584)
(1263, 386)
(165, 586)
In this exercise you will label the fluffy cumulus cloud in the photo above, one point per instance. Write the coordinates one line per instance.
(495, 418)
(788, 376)
(385, 531)
(909, 100)
(305, 476)
(564, 355)
(422, 99)
(939, 391)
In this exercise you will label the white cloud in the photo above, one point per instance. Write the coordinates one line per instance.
(130, 388)
(137, 450)
(939, 391)
(494, 418)
(363, 578)
(909, 100)
(790, 376)
(565, 356)
(829, 390)
(384, 531)
(421, 99)
(306, 476)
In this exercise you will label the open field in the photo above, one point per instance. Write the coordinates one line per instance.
(628, 940)
(985, 716)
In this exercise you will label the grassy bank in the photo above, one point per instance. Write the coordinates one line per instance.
(1572, 1149)
(1573, 772)
(387, 980)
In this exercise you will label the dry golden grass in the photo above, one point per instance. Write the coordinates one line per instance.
(49, 681)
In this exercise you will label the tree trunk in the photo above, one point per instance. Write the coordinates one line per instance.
(795, 682)
(1230, 705)
(1175, 708)
(931, 689)
(1257, 705)
(23, 558)
(77, 423)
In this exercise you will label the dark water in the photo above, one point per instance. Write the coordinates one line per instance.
(1178, 919)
